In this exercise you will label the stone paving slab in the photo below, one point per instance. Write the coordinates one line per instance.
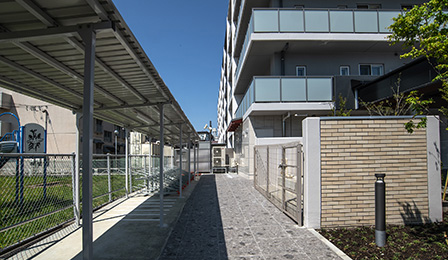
(226, 218)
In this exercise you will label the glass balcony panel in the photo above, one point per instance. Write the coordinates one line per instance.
(265, 21)
(251, 93)
(320, 89)
(341, 21)
(366, 21)
(385, 19)
(316, 21)
(291, 21)
(294, 89)
(267, 90)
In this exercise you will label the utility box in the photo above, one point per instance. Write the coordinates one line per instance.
(219, 158)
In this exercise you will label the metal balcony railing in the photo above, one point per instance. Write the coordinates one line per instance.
(286, 89)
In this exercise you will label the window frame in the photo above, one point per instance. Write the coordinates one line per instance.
(301, 67)
(344, 67)
(371, 65)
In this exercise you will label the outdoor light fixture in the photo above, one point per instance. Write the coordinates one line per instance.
(143, 117)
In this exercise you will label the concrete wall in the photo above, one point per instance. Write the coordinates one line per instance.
(315, 66)
(352, 150)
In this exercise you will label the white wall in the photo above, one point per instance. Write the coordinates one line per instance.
(61, 132)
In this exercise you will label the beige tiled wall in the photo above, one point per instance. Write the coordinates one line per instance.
(352, 151)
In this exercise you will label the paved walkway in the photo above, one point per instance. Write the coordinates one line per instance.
(226, 218)
(223, 217)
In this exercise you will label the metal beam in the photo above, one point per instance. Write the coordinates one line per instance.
(100, 11)
(89, 37)
(80, 47)
(36, 52)
(49, 21)
(148, 104)
(38, 76)
(30, 91)
(35, 10)
(62, 31)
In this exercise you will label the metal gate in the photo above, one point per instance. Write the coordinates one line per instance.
(278, 175)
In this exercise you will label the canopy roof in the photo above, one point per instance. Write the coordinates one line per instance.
(42, 55)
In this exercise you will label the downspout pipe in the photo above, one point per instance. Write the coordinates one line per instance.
(284, 123)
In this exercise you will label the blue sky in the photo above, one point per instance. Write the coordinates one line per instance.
(184, 40)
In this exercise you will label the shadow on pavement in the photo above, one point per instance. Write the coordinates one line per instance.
(198, 233)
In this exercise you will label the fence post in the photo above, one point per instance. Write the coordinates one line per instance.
(75, 185)
(109, 183)
(126, 165)
(267, 171)
(255, 167)
(129, 167)
(45, 177)
(283, 172)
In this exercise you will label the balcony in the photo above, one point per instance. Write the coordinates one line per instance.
(338, 23)
(286, 90)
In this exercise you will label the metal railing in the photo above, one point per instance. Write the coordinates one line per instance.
(278, 175)
(39, 192)
(271, 89)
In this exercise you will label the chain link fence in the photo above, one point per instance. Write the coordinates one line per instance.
(36, 194)
(39, 192)
(278, 175)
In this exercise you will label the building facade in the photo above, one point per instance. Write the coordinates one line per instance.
(284, 61)
(60, 123)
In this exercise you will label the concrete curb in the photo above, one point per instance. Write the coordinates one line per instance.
(330, 245)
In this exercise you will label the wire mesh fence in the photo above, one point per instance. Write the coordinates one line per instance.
(36, 194)
(41, 192)
(278, 175)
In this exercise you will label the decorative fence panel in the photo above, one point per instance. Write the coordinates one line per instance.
(278, 176)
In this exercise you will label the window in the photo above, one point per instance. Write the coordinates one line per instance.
(98, 148)
(344, 70)
(107, 136)
(406, 7)
(301, 71)
(299, 6)
(368, 6)
(371, 69)
(342, 6)
(98, 126)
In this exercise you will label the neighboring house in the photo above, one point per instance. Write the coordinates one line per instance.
(284, 61)
(60, 124)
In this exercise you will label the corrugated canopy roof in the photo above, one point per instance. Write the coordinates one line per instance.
(42, 55)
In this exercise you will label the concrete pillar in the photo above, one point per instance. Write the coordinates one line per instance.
(312, 173)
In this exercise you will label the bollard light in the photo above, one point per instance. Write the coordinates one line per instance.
(380, 210)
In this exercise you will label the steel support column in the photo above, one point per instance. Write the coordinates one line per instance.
(189, 158)
(161, 177)
(126, 162)
(88, 35)
(194, 158)
(180, 162)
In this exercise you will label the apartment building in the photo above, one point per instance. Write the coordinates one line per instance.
(287, 60)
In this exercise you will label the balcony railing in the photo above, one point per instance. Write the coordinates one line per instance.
(286, 89)
(317, 21)
(323, 20)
